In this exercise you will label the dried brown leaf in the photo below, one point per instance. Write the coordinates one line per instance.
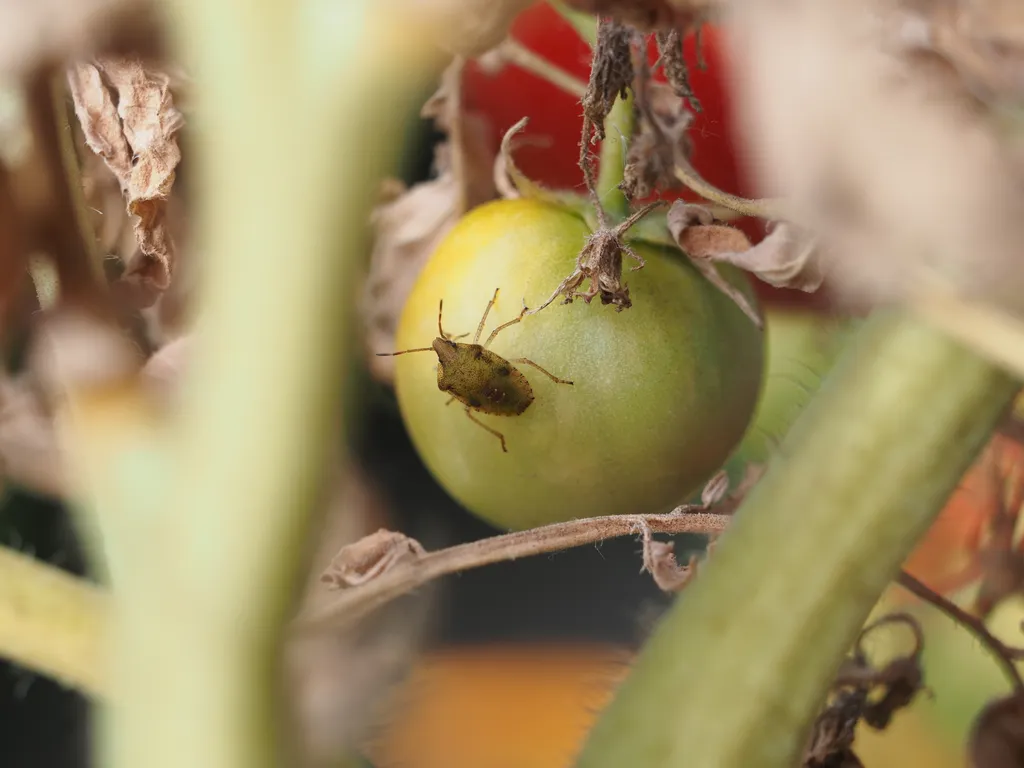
(370, 557)
(677, 71)
(661, 140)
(660, 561)
(97, 114)
(997, 736)
(129, 118)
(715, 489)
(855, 698)
(706, 243)
(611, 73)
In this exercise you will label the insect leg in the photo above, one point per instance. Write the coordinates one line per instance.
(494, 432)
(450, 399)
(487, 309)
(526, 361)
(506, 325)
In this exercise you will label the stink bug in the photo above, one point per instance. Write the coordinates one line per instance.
(477, 377)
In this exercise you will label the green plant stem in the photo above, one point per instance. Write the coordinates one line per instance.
(518, 54)
(51, 621)
(618, 127)
(585, 24)
(735, 673)
(288, 150)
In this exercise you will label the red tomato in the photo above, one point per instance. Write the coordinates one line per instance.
(556, 116)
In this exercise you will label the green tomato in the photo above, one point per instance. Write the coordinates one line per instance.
(662, 392)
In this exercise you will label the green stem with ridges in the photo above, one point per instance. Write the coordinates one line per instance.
(735, 673)
(618, 128)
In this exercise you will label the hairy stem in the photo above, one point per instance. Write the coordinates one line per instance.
(735, 673)
(354, 603)
(618, 128)
(51, 621)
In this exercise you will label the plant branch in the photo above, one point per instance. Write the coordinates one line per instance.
(618, 128)
(221, 526)
(518, 54)
(1004, 654)
(585, 24)
(52, 622)
(356, 602)
(764, 208)
(858, 480)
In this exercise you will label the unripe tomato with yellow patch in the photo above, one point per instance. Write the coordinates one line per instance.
(662, 392)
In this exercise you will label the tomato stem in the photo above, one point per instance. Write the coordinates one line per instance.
(585, 24)
(618, 128)
(737, 670)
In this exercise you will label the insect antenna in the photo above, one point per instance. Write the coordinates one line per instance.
(404, 352)
(440, 330)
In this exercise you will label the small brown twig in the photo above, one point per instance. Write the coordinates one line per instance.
(356, 602)
(1005, 654)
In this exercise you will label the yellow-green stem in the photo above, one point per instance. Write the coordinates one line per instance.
(585, 24)
(299, 109)
(735, 673)
(618, 128)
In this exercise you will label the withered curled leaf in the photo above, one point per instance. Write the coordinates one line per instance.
(660, 561)
(128, 116)
(370, 557)
(611, 73)
(660, 141)
(705, 243)
(677, 71)
(864, 692)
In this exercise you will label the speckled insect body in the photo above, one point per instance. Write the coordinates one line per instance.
(478, 378)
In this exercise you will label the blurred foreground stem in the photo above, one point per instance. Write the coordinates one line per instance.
(735, 673)
(299, 111)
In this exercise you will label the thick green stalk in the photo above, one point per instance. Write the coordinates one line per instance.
(299, 110)
(735, 673)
